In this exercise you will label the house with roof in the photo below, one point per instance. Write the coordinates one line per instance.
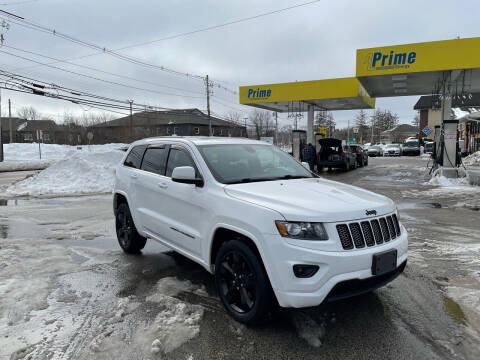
(398, 134)
(182, 122)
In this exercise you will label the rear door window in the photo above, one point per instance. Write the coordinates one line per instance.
(134, 157)
(179, 157)
(155, 159)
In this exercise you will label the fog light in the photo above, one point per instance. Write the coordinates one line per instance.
(305, 271)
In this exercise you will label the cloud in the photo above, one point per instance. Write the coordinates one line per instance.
(312, 42)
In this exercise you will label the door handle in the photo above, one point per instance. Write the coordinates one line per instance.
(162, 185)
(134, 176)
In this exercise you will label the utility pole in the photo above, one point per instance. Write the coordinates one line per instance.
(131, 120)
(1, 139)
(10, 120)
(246, 129)
(348, 132)
(207, 85)
(276, 128)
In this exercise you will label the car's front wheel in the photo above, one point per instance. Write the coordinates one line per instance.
(128, 237)
(242, 283)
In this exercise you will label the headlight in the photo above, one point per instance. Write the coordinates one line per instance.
(302, 230)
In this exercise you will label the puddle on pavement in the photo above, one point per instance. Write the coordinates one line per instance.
(13, 202)
(16, 228)
(454, 310)
(3, 231)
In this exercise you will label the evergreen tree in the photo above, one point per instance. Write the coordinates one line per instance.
(361, 123)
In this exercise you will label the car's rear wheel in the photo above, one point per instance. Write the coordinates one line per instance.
(128, 237)
(242, 283)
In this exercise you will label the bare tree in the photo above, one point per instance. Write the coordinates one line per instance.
(28, 113)
(234, 116)
(262, 122)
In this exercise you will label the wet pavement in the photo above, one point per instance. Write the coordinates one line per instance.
(68, 292)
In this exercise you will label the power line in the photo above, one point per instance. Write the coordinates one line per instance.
(141, 62)
(99, 79)
(187, 33)
(33, 26)
(27, 85)
(100, 71)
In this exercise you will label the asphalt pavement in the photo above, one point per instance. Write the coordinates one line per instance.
(69, 292)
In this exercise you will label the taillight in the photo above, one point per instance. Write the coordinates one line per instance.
(358, 152)
(343, 153)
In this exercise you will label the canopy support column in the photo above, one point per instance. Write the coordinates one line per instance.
(310, 134)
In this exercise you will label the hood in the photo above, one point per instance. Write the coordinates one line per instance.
(312, 199)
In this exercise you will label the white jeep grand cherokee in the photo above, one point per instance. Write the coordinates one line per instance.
(264, 225)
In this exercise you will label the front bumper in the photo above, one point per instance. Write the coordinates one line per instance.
(336, 267)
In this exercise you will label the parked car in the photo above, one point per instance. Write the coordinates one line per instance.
(361, 154)
(375, 150)
(428, 147)
(268, 229)
(332, 154)
(393, 150)
(411, 147)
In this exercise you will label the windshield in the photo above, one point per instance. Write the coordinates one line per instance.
(394, 146)
(411, 143)
(375, 147)
(241, 163)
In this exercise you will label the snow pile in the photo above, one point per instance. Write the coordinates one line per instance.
(177, 322)
(29, 151)
(452, 183)
(472, 160)
(78, 173)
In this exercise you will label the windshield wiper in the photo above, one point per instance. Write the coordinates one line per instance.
(285, 177)
(288, 177)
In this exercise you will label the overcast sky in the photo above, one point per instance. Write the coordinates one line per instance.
(311, 42)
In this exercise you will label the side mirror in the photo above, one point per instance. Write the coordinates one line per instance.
(305, 165)
(186, 175)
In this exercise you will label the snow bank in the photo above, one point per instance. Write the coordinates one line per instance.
(29, 151)
(472, 160)
(79, 173)
(443, 181)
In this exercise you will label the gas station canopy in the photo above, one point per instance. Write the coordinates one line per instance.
(420, 68)
(397, 70)
(330, 94)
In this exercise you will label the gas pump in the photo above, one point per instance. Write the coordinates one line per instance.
(299, 138)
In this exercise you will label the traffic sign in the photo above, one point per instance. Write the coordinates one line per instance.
(355, 131)
(426, 130)
(322, 130)
(352, 141)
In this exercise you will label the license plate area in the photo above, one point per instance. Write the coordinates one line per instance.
(384, 262)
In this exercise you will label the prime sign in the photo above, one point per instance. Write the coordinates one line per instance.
(391, 59)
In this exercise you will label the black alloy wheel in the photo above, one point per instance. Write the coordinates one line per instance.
(128, 237)
(237, 282)
(241, 283)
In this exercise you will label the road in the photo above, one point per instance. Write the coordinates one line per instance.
(68, 291)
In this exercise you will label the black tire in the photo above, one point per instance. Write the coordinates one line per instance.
(242, 284)
(319, 169)
(127, 235)
(366, 161)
